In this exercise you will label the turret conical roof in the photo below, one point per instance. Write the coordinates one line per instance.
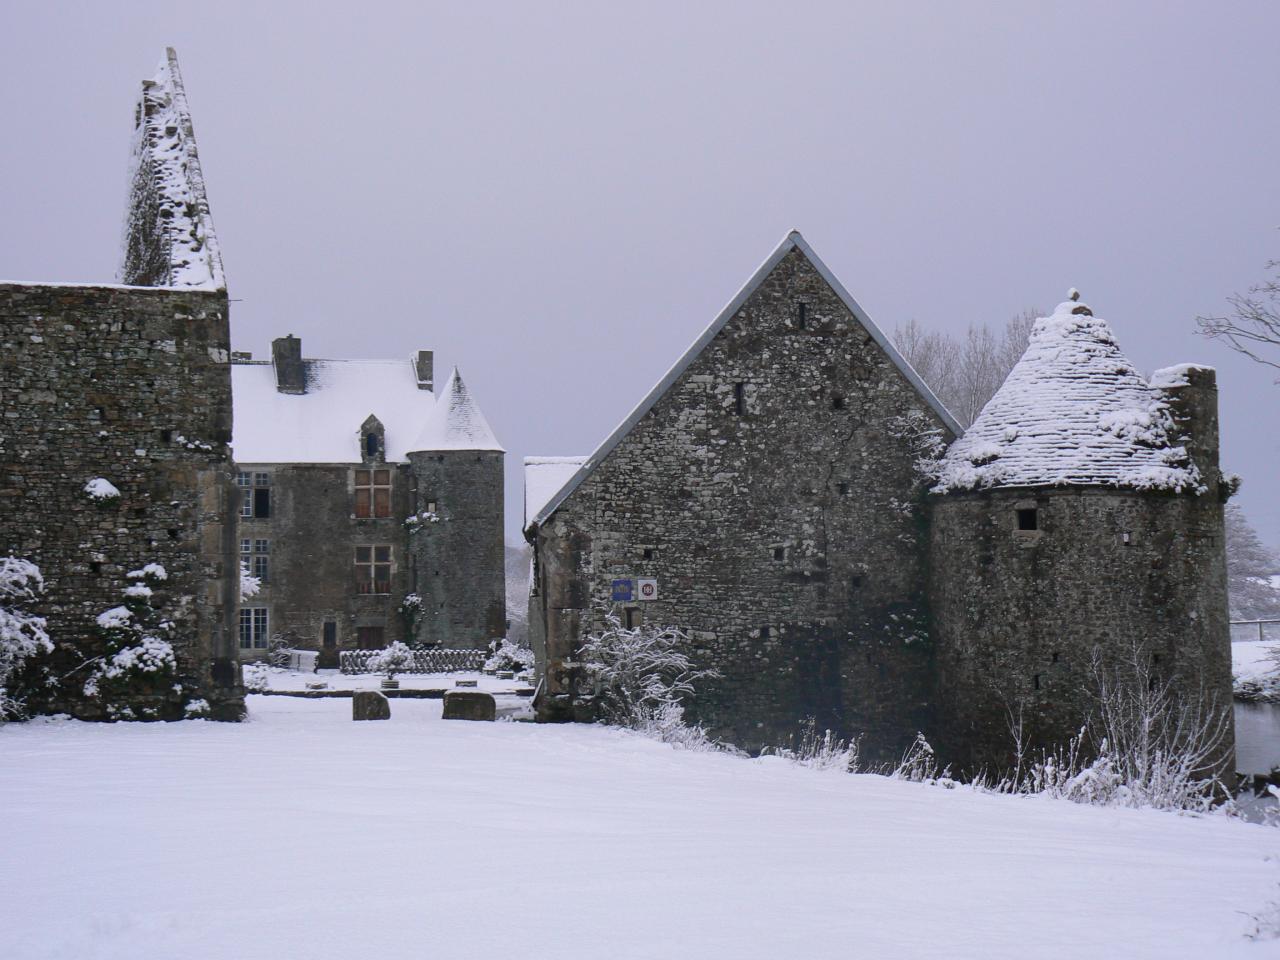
(1073, 412)
(456, 422)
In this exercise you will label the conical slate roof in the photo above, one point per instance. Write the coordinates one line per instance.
(456, 422)
(1073, 412)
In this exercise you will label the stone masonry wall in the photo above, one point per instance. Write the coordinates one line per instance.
(785, 537)
(1019, 614)
(312, 534)
(131, 385)
(459, 557)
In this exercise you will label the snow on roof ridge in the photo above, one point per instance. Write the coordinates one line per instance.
(1074, 411)
(543, 478)
(164, 141)
(792, 241)
(456, 423)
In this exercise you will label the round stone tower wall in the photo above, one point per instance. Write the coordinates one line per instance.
(1019, 614)
(456, 548)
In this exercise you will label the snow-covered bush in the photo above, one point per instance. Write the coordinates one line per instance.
(249, 584)
(640, 676)
(510, 656)
(816, 751)
(102, 490)
(255, 677)
(411, 608)
(279, 652)
(135, 677)
(22, 633)
(392, 659)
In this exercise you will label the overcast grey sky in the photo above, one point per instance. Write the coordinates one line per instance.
(559, 197)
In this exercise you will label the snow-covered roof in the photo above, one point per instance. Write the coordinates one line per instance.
(1073, 411)
(164, 153)
(792, 241)
(543, 476)
(456, 423)
(323, 424)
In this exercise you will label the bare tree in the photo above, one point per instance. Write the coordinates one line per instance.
(1250, 569)
(1253, 326)
(966, 373)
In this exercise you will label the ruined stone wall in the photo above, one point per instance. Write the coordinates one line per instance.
(784, 537)
(1019, 614)
(131, 385)
(459, 555)
(312, 533)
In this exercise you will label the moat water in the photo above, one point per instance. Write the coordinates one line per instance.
(1257, 737)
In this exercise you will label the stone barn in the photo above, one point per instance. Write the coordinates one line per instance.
(796, 498)
(768, 490)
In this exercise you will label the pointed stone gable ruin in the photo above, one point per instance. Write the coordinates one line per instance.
(769, 485)
(129, 384)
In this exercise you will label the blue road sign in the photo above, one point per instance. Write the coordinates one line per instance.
(622, 590)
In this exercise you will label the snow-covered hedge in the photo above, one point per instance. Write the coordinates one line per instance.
(510, 656)
(424, 661)
(22, 633)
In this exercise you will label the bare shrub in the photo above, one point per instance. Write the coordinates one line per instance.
(641, 676)
(816, 751)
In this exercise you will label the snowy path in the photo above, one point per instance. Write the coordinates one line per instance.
(302, 834)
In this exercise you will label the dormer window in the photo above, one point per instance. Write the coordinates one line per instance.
(372, 440)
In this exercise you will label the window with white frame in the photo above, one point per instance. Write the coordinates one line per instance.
(255, 555)
(253, 628)
(255, 494)
(373, 569)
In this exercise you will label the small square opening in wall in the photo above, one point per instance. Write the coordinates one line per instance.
(648, 553)
(842, 488)
(779, 553)
(765, 633)
(837, 402)
(1028, 518)
(855, 581)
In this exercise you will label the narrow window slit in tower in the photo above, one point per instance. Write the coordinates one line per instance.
(1035, 680)
(740, 399)
(802, 319)
(779, 553)
(764, 633)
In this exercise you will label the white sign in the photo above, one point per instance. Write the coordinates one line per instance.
(648, 589)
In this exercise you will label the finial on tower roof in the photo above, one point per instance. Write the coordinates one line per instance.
(1073, 294)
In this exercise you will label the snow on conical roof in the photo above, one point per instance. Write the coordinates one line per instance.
(1072, 412)
(456, 422)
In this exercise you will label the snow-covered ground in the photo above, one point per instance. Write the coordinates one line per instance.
(303, 834)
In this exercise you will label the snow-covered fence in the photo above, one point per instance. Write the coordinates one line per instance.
(424, 661)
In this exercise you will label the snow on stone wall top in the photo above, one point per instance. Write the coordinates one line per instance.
(456, 423)
(543, 478)
(169, 237)
(1074, 411)
(323, 424)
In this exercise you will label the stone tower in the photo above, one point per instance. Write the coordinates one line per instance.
(456, 544)
(1078, 521)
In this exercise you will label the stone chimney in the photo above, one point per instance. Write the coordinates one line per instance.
(425, 362)
(286, 357)
(1192, 394)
